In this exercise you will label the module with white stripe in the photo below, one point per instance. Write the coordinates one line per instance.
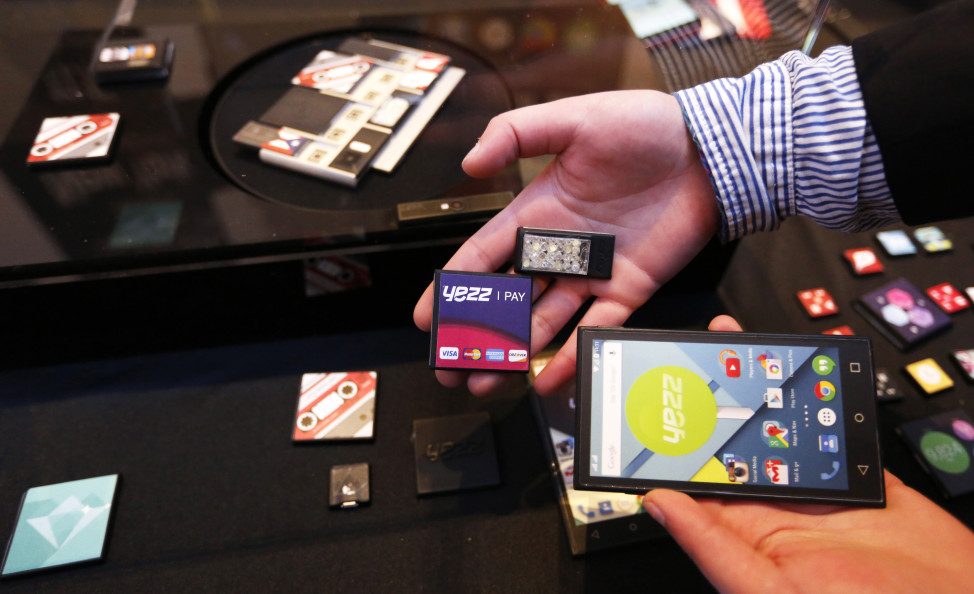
(338, 405)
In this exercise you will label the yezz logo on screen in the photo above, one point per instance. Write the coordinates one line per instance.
(776, 470)
(449, 353)
(459, 294)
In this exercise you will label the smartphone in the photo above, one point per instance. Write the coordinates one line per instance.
(729, 414)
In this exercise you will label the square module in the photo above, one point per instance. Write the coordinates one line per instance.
(481, 321)
(948, 298)
(863, 261)
(818, 302)
(896, 243)
(902, 313)
(455, 453)
(86, 138)
(61, 524)
(929, 376)
(349, 487)
(964, 358)
(933, 239)
(339, 405)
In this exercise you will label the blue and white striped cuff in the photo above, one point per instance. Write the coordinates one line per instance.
(789, 138)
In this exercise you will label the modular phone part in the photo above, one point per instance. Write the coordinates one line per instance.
(728, 414)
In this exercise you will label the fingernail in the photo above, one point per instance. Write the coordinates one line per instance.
(473, 151)
(654, 512)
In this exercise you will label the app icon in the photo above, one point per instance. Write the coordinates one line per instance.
(737, 469)
(605, 507)
(472, 354)
(835, 470)
(495, 354)
(823, 365)
(583, 510)
(828, 444)
(774, 397)
(776, 470)
(516, 355)
(826, 417)
(772, 369)
(731, 362)
(449, 353)
(824, 391)
(776, 435)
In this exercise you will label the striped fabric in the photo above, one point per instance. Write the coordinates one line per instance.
(790, 138)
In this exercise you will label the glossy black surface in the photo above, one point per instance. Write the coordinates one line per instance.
(162, 203)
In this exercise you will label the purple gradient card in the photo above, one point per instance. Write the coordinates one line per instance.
(481, 321)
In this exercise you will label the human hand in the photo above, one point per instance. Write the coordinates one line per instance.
(912, 545)
(624, 164)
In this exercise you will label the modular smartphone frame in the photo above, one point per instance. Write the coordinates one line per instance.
(766, 416)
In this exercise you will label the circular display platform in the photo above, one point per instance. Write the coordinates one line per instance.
(429, 169)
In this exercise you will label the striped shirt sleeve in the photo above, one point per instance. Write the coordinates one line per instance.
(790, 138)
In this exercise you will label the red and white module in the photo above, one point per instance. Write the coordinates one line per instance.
(333, 72)
(337, 405)
(85, 137)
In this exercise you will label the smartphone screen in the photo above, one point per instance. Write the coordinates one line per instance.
(735, 414)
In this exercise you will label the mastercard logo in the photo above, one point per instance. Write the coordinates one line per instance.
(824, 391)
(472, 354)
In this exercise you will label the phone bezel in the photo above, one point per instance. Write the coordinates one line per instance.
(866, 489)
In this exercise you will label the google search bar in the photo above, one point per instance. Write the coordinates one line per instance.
(612, 409)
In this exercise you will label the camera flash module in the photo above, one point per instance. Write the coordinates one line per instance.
(571, 253)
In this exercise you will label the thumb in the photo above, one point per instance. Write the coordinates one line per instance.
(730, 564)
(526, 132)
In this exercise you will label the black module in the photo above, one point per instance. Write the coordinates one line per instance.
(349, 486)
(567, 253)
(455, 453)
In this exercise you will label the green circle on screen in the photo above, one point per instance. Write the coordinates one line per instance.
(823, 365)
(671, 411)
(944, 452)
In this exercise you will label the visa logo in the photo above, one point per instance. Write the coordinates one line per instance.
(495, 354)
(471, 354)
(517, 355)
(449, 353)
